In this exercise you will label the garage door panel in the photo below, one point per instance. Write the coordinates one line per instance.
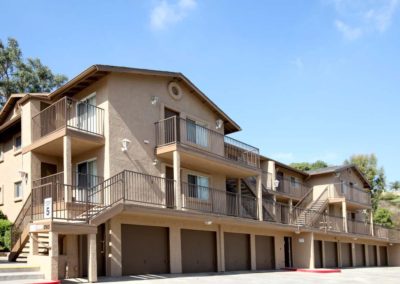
(345, 249)
(199, 251)
(383, 256)
(145, 249)
(317, 254)
(237, 251)
(265, 253)
(360, 255)
(331, 254)
(372, 256)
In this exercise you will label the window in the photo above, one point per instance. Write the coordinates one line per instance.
(86, 110)
(196, 133)
(18, 190)
(17, 143)
(1, 153)
(198, 187)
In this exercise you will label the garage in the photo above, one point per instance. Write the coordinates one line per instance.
(145, 249)
(345, 251)
(317, 254)
(199, 251)
(372, 257)
(360, 255)
(331, 259)
(237, 251)
(383, 256)
(265, 253)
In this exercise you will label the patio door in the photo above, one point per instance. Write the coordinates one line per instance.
(86, 113)
(86, 179)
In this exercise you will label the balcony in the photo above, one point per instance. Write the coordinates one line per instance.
(201, 142)
(291, 188)
(82, 121)
(357, 197)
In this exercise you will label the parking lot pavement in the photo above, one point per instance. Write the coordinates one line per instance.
(376, 275)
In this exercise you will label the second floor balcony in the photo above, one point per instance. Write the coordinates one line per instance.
(198, 138)
(356, 196)
(68, 114)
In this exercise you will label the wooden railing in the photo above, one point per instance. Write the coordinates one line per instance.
(70, 113)
(186, 132)
(20, 223)
(359, 227)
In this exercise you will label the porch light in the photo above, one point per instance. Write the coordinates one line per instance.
(390, 244)
(218, 123)
(125, 143)
(23, 174)
(355, 239)
(155, 162)
(208, 222)
(154, 100)
(276, 183)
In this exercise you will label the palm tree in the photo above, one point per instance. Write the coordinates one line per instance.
(395, 186)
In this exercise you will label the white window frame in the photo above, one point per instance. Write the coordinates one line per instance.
(82, 198)
(201, 140)
(86, 128)
(201, 194)
(18, 198)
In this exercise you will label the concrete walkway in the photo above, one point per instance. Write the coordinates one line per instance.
(376, 275)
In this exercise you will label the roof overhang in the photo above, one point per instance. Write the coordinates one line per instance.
(97, 72)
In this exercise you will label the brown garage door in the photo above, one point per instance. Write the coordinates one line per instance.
(199, 251)
(360, 255)
(237, 251)
(145, 249)
(372, 256)
(383, 256)
(317, 254)
(331, 254)
(265, 253)
(345, 250)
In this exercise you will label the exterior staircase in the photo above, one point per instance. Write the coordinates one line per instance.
(308, 210)
(19, 273)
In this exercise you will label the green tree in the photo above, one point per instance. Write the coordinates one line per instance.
(395, 186)
(305, 166)
(23, 76)
(368, 165)
(383, 216)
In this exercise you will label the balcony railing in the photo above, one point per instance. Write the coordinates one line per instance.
(179, 130)
(216, 201)
(351, 193)
(292, 188)
(80, 204)
(70, 113)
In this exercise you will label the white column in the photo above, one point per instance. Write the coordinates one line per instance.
(92, 258)
(259, 198)
(344, 215)
(371, 218)
(221, 249)
(271, 175)
(177, 178)
(67, 162)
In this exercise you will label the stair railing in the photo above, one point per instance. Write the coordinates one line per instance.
(23, 219)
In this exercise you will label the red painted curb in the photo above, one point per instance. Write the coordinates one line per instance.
(314, 270)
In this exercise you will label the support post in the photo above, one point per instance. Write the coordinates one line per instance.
(259, 198)
(33, 244)
(67, 163)
(92, 258)
(371, 220)
(239, 197)
(175, 250)
(177, 178)
(253, 252)
(53, 254)
(344, 215)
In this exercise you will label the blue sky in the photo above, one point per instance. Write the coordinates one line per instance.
(306, 80)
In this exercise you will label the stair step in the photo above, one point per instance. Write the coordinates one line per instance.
(18, 268)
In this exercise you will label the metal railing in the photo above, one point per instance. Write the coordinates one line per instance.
(359, 227)
(70, 113)
(211, 200)
(22, 220)
(351, 193)
(292, 188)
(187, 132)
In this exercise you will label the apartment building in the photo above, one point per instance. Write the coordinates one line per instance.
(128, 171)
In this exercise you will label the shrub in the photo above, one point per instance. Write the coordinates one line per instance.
(383, 217)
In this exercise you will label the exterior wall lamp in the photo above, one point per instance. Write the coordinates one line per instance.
(125, 143)
(276, 183)
(219, 123)
(154, 100)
